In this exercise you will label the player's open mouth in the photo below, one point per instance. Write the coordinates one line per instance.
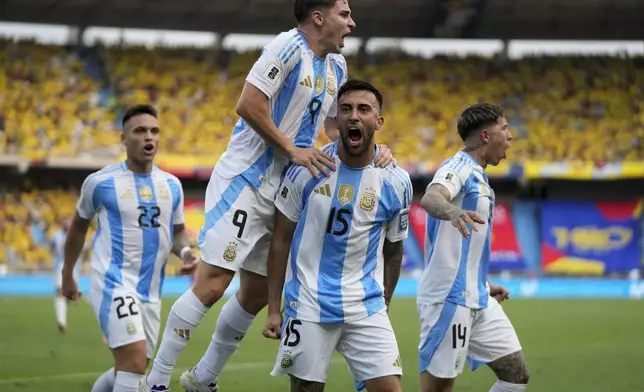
(342, 42)
(355, 136)
(148, 149)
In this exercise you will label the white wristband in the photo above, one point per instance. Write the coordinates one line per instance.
(183, 251)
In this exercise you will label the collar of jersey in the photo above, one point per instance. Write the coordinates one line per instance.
(308, 47)
(473, 161)
(127, 169)
(372, 164)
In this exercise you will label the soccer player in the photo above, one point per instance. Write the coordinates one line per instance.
(57, 247)
(459, 311)
(140, 215)
(289, 93)
(344, 234)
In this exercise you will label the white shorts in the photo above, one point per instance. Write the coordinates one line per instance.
(238, 225)
(369, 347)
(124, 319)
(451, 333)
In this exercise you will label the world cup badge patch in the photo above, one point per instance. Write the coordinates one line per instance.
(330, 85)
(230, 252)
(368, 200)
(345, 194)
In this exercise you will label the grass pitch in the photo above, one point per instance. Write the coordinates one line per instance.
(570, 345)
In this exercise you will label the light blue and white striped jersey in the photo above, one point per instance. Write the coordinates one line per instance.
(456, 267)
(136, 215)
(301, 90)
(336, 265)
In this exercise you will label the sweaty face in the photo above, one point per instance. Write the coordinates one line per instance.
(141, 138)
(337, 25)
(499, 141)
(358, 119)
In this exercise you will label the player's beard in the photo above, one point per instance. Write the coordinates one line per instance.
(367, 142)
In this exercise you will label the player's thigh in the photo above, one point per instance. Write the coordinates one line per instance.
(119, 315)
(370, 348)
(253, 291)
(493, 335)
(235, 221)
(429, 383)
(306, 349)
(444, 338)
(151, 315)
(264, 223)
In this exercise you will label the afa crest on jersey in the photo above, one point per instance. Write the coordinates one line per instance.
(287, 361)
(230, 253)
(145, 193)
(368, 200)
(345, 194)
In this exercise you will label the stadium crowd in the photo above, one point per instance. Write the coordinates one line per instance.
(59, 102)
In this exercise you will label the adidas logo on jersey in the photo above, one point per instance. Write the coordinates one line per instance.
(307, 82)
(128, 195)
(323, 190)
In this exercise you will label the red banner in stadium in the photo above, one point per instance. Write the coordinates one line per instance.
(506, 252)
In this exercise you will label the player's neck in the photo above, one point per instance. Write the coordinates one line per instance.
(477, 154)
(138, 168)
(310, 37)
(357, 162)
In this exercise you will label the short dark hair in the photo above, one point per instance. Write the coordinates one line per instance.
(135, 110)
(478, 116)
(303, 8)
(360, 85)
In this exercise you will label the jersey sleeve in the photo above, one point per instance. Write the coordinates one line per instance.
(452, 175)
(89, 199)
(277, 60)
(342, 74)
(398, 226)
(289, 199)
(177, 197)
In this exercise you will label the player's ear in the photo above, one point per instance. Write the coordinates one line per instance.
(123, 137)
(484, 136)
(380, 121)
(318, 18)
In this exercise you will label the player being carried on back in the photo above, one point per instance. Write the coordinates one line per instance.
(289, 94)
(345, 237)
(459, 311)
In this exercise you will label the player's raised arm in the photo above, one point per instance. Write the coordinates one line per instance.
(444, 187)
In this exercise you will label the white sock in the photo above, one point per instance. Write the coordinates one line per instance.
(502, 386)
(105, 382)
(232, 325)
(185, 315)
(126, 382)
(60, 307)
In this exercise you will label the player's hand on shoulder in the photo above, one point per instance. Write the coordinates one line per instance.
(273, 327)
(499, 293)
(385, 156)
(190, 263)
(313, 159)
(463, 218)
(70, 289)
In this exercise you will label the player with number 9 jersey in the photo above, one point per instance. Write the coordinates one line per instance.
(301, 90)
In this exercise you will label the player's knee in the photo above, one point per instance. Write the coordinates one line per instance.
(211, 284)
(131, 358)
(253, 292)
